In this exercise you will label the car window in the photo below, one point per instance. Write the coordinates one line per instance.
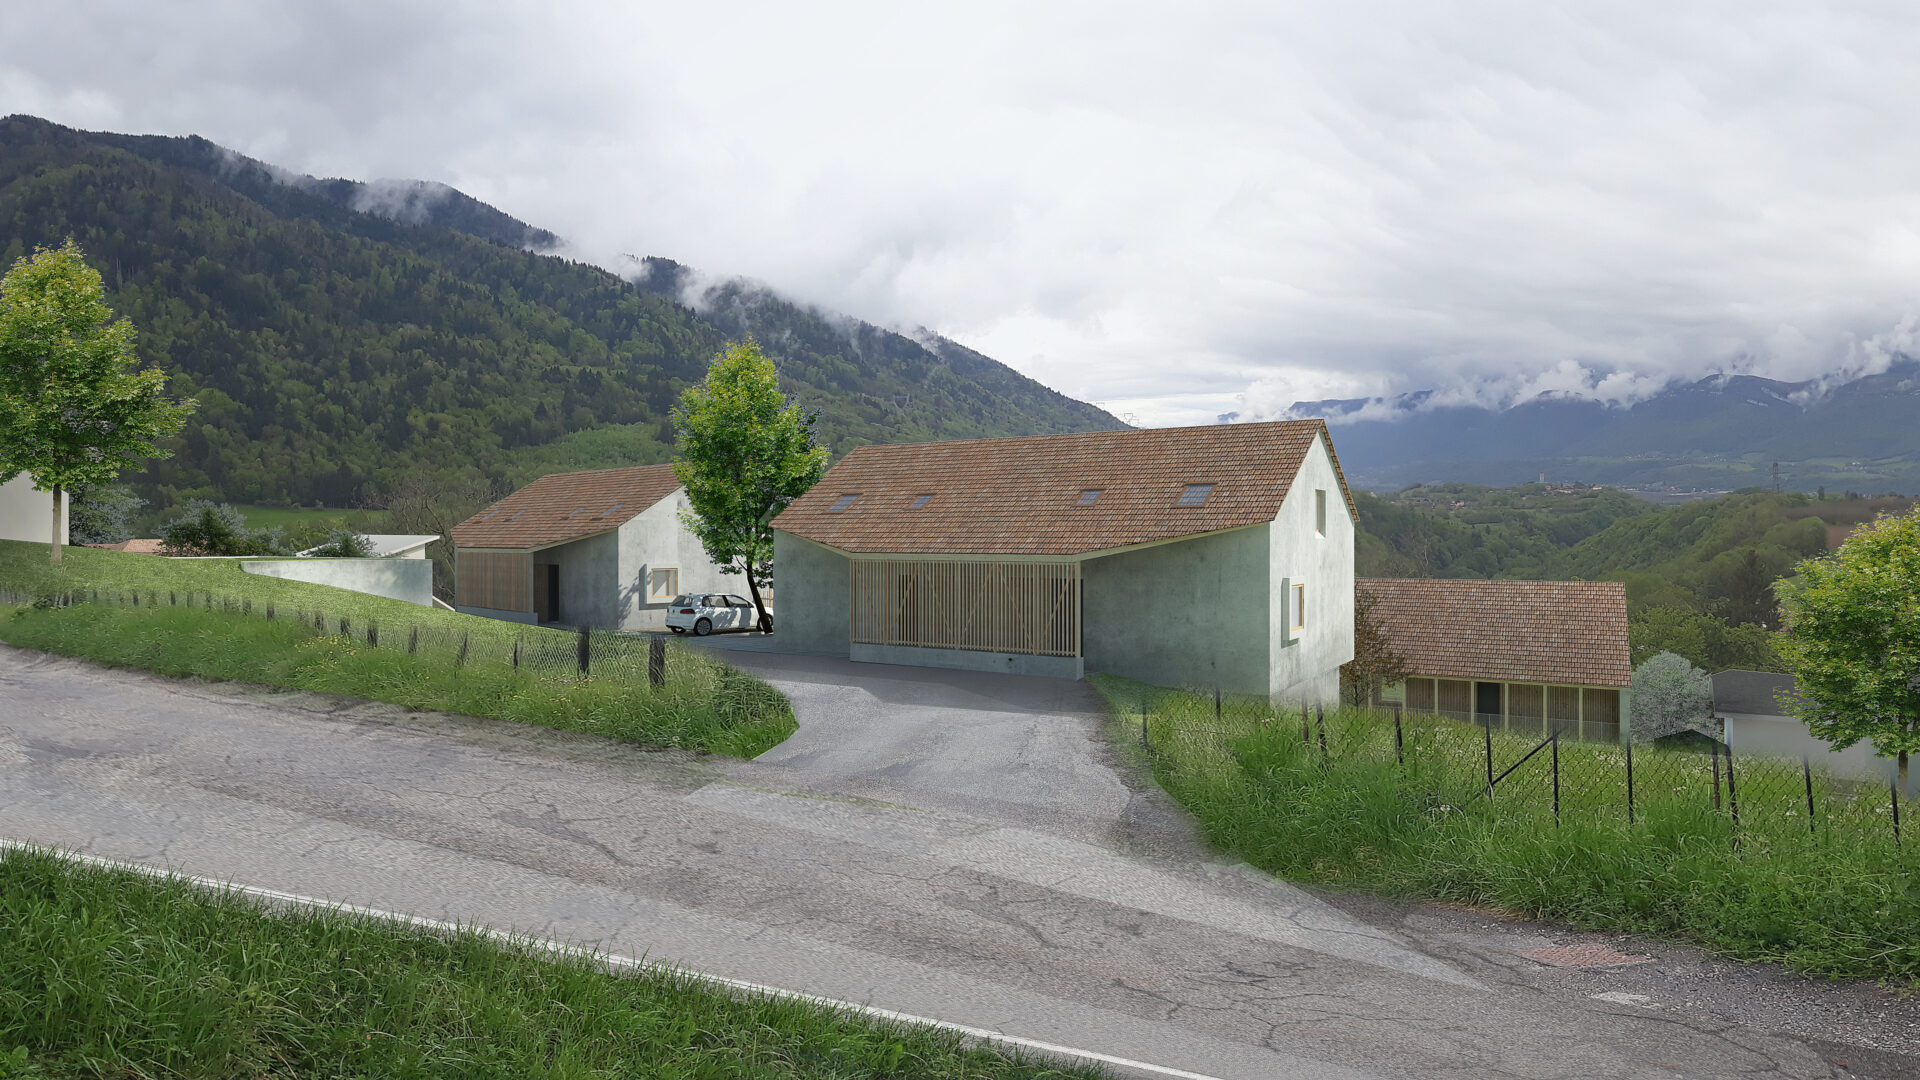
(738, 601)
(683, 600)
(715, 601)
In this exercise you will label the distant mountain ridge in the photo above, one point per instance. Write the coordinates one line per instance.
(340, 334)
(1720, 432)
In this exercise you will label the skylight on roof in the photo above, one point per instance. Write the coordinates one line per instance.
(1195, 495)
(1090, 496)
(610, 509)
(841, 503)
(575, 510)
(517, 513)
(490, 514)
(920, 501)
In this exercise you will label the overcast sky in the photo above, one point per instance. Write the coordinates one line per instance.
(1174, 210)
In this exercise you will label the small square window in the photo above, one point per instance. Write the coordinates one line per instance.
(1090, 496)
(841, 503)
(1320, 511)
(1299, 607)
(1195, 495)
(663, 583)
(920, 501)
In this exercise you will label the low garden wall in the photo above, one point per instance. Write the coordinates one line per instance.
(410, 580)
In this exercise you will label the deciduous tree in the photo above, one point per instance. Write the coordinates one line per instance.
(744, 453)
(1375, 663)
(1669, 694)
(1853, 638)
(75, 409)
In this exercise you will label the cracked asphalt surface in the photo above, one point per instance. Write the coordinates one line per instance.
(947, 844)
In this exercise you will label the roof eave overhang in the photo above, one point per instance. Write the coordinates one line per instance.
(539, 547)
(1016, 556)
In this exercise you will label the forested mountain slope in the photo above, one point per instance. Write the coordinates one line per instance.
(339, 335)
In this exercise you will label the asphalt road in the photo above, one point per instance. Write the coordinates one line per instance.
(948, 845)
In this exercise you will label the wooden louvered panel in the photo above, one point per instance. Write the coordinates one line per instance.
(1031, 608)
(494, 579)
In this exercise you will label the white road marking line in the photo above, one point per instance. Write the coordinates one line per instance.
(610, 959)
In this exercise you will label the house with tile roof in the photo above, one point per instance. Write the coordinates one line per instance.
(1218, 556)
(1533, 656)
(603, 548)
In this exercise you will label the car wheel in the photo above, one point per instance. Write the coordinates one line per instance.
(703, 628)
(766, 624)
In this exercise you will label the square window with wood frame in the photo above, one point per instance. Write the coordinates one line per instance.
(663, 584)
(1299, 607)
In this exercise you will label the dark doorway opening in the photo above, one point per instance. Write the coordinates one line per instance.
(552, 612)
(1486, 699)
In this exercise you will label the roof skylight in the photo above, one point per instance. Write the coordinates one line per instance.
(1090, 496)
(575, 510)
(610, 509)
(841, 503)
(920, 501)
(1195, 495)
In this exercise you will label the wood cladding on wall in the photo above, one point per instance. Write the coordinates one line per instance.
(494, 579)
(1005, 607)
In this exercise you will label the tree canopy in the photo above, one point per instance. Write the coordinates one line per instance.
(75, 410)
(1853, 639)
(1669, 694)
(744, 454)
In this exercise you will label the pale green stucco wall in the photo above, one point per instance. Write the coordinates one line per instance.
(1190, 613)
(813, 583)
(655, 538)
(400, 579)
(1308, 671)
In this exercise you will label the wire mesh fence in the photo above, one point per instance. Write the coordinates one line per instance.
(1535, 779)
(541, 651)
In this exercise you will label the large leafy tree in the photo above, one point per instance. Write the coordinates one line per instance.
(1853, 639)
(744, 454)
(74, 407)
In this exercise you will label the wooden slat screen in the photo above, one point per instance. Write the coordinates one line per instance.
(493, 579)
(1031, 608)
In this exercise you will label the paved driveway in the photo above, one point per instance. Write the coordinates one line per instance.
(950, 846)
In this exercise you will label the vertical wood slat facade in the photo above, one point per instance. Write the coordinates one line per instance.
(1002, 607)
(500, 580)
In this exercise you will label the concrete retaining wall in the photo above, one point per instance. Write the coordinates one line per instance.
(399, 579)
(813, 583)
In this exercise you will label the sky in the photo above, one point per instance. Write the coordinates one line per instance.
(1174, 210)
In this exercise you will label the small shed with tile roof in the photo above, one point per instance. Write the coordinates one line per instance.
(1534, 656)
(1198, 556)
(602, 548)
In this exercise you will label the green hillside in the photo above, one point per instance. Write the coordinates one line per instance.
(334, 351)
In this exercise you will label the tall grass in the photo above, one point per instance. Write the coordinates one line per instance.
(107, 973)
(1836, 899)
(703, 705)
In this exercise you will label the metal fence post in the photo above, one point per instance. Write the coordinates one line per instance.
(1145, 741)
(1320, 722)
(1556, 779)
(460, 659)
(656, 660)
(583, 648)
(1733, 797)
(1893, 789)
(1306, 725)
(1629, 782)
(1216, 704)
(1714, 749)
(1399, 744)
(1486, 725)
(1806, 773)
(516, 654)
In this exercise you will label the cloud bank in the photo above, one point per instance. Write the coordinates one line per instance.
(1175, 210)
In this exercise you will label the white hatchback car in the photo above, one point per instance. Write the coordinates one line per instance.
(703, 613)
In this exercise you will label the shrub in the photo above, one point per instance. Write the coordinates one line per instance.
(207, 528)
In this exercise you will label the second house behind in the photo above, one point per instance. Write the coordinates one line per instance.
(602, 548)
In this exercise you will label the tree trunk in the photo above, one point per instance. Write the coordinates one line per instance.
(55, 545)
(766, 621)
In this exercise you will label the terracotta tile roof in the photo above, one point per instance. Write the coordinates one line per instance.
(1021, 496)
(1566, 632)
(566, 506)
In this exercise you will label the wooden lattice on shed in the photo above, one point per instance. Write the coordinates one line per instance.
(1004, 607)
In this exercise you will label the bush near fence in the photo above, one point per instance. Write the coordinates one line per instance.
(1717, 851)
(629, 687)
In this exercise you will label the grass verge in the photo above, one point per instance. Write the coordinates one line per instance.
(464, 664)
(703, 705)
(109, 973)
(1835, 900)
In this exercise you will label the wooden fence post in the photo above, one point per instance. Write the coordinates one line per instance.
(657, 660)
